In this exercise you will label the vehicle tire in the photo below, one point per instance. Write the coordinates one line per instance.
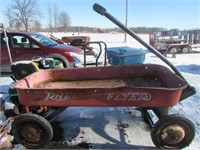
(32, 131)
(173, 132)
(185, 49)
(61, 58)
(173, 50)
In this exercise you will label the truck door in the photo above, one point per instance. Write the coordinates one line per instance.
(22, 48)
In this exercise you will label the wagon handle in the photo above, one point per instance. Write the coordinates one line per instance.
(102, 11)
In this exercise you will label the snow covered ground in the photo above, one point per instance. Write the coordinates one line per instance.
(124, 128)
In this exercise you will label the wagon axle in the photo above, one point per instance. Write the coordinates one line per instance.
(169, 132)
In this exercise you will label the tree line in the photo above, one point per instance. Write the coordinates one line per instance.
(25, 15)
(143, 30)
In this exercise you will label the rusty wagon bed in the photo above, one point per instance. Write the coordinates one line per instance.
(145, 85)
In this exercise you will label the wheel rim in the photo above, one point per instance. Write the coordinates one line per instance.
(173, 50)
(32, 133)
(185, 50)
(172, 134)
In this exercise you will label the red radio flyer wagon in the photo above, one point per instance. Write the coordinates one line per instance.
(147, 86)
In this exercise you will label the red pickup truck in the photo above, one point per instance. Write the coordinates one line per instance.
(27, 45)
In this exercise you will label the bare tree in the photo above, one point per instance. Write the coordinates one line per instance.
(50, 26)
(8, 13)
(37, 26)
(64, 20)
(24, 11)
(18, 25)
(52, 17)
(55, 16)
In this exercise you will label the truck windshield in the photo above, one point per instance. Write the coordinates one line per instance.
(44, 40)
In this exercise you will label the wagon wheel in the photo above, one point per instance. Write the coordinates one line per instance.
(32, 131)
(173, 132)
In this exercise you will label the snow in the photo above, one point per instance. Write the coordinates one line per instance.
(123, 127)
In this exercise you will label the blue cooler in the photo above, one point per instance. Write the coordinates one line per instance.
(125, 55)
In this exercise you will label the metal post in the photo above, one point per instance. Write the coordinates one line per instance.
(126, 21)
(6, 38)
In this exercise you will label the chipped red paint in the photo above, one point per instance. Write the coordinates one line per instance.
(143, 92)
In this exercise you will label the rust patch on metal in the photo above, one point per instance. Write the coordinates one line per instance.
(107, 83)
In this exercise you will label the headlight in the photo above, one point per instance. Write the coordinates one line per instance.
(78, 59)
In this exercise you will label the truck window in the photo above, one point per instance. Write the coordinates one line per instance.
(20, 42)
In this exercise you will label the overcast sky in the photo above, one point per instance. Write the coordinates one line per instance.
(182, 14)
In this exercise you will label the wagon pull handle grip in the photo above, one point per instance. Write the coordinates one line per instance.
(99, 9)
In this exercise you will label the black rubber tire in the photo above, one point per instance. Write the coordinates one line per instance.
(61, 58)
(32, 131)
(185, 49)
(173, 50)
(173, 132)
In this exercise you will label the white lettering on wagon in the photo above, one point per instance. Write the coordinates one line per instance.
(56, 96)
(129, 96)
